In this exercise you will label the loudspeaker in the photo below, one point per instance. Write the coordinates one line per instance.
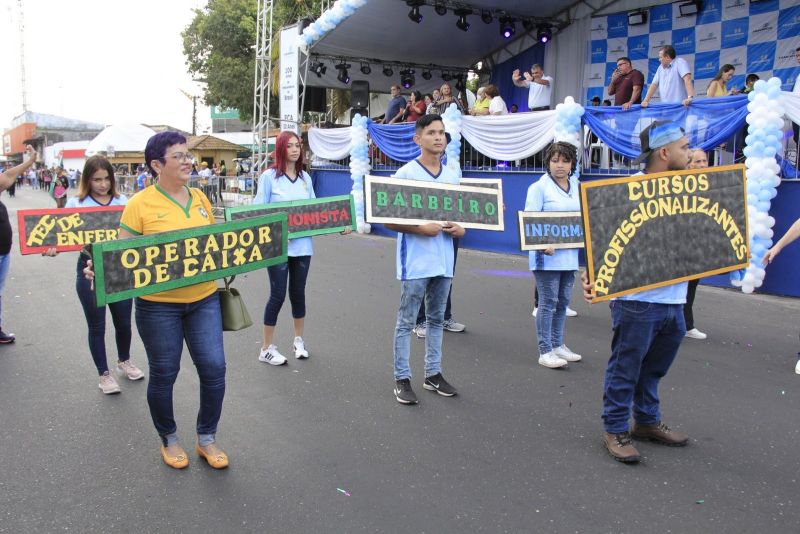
(359, 94)
(315, 99)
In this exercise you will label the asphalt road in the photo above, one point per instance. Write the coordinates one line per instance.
(519, 450)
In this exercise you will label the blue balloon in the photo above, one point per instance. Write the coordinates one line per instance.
(763, 205)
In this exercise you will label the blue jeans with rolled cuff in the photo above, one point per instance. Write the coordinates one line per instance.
(646, 340)
(555, 290)
(412, 292)
(163, 328)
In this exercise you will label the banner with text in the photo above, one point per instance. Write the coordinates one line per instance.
(153, 263)
(66, 229)
(310, 217)
(653, 230)
(402, 201)
(539, 230)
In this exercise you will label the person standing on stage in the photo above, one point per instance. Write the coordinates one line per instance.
(673, 79)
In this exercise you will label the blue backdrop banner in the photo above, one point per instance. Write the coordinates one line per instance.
(395, 140)
(708, 122)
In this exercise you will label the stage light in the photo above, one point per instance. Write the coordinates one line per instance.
(486, 16)
(407, 78)
(637, 18)
(318, 68)
(414, 14)
(507, 28)
(544, 34)
(446, 76)
(343, 75)
(388, 71)
(365, 68)
(690, 8)
(462, 23)
(527, 24)
(426, 75)
(440, 8)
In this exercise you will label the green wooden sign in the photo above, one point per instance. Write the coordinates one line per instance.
(148, 264)
(309, 217)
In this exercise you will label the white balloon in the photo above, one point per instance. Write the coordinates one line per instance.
(747, 288)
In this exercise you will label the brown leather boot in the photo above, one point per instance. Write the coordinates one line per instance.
(660, 433)
(620, 447)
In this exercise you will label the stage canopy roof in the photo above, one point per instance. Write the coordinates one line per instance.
(380, 33)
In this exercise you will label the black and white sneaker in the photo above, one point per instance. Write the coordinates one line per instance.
(438, 384)
(403, 392)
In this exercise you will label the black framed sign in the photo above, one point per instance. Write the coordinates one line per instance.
(539, 230)
(314, 216)
(403, 201)
(653, 230)
(153, 263)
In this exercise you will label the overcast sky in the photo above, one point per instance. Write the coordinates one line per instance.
(107, 61)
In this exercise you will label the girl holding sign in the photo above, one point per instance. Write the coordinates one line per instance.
(286, 180)
(98, 188)
(556, 190)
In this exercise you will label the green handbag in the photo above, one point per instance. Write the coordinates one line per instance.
(234, 312)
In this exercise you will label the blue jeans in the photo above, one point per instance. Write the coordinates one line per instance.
(294, 272)
(96, 321)
(448, 314)
(163, 328)
(646, 340)
(5, 263)
(412, 292)
(555, 289)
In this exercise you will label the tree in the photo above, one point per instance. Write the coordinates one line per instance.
(219, 45)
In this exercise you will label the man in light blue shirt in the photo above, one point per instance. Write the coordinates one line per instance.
(424, 267)
(648, 330)
(673, 79)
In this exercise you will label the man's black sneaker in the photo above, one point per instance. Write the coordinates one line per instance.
(5, 339)
(403, 392)
(438, 384)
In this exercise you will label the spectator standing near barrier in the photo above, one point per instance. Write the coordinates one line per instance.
(539, 87)
(626, 84)
(697, 160)
(648, 329)
(673, 79)
(425, 263)
(446, 98)
(497, 106)
(482, 103)
(7, 179)
(396, 105)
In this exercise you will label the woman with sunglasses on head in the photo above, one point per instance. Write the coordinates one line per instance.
(191, 314)
(284, 181)
(98, 188)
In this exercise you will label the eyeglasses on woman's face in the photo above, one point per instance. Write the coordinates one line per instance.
(179, 156)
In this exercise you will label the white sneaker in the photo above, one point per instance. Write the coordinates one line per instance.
(694, 333)
(107, 384)
(797, 367)
(571, 312)
(564, 353)
(271, 356)
(534, 311)
(552, 361)
(300, 348)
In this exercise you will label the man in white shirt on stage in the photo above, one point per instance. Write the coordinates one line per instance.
(673, 79)
(539, 87)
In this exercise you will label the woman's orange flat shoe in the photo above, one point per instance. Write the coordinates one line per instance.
(175, 461)
(217, 460)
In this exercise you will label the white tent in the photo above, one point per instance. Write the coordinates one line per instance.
(120, 138)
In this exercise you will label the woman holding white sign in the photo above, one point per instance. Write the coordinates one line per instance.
(554, 270)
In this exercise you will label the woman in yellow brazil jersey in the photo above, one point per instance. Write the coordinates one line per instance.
(192, 313)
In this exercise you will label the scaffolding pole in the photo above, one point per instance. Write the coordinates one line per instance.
(261, 88)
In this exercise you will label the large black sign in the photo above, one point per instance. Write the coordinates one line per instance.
(657, 229)
(66, 229)
(401, 201)
(153, 263)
